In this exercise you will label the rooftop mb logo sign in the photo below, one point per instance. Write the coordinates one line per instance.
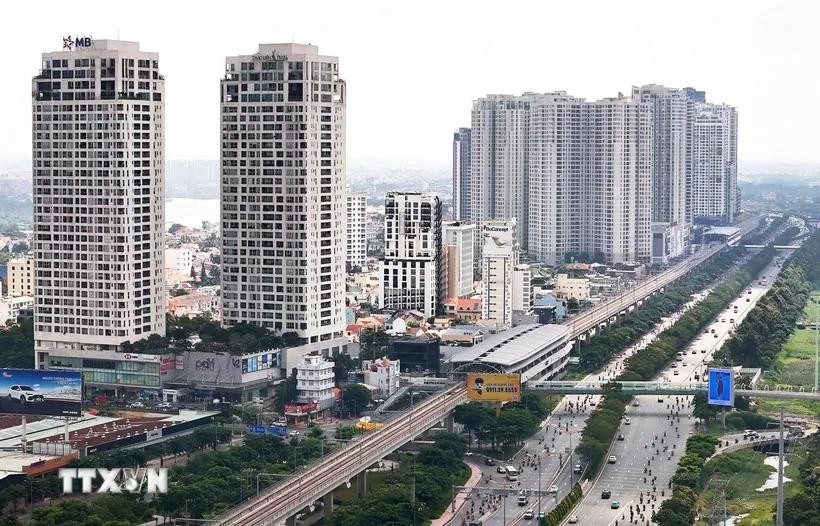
(70, 44)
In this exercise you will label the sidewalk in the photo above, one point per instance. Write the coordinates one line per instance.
(461, 496)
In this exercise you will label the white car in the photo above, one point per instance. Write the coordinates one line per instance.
(627, 421)
(529, 514)
(136, 405)
(24, 394)
(573, 519)
(553, 489)
(613, 459)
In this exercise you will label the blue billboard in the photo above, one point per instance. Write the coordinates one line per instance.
(46, 393)
(721, 387)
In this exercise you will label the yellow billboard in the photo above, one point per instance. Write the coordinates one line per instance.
(493, 387)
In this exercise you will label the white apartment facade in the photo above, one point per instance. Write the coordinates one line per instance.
(713, 186)
(499, 256)
(458, 240)
(99, 195)
(11, 307)
(21, 276)
(314, 381)
(384, 375)
(283, 195)
(568, 287)
(413, 266)
(356, 228)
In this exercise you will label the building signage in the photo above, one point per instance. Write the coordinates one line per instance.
(140, 357)
(721, 387)
(179, 363)
(167, 364)
(493, 387)
(272, 56)
(301, 409)
(70, 44)
(499, 238)
(207, 364)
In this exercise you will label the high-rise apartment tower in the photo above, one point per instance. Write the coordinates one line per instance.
(99, 219)
(283, 194)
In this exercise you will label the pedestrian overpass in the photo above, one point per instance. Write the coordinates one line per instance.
(776, 247)
(663, 388)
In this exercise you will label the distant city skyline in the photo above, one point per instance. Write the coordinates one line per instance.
(423, 64)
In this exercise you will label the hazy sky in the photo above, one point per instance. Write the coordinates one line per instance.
(413, 68)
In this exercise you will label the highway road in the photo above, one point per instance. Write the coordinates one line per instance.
(654, 439)
(559, 434)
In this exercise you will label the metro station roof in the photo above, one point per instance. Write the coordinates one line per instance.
(514, 345)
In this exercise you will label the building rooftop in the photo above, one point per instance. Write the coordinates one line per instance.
(512, 346)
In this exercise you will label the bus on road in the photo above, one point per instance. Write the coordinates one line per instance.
(512, 473)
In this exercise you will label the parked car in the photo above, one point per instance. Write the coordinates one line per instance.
(164, 405)
(24, 394)
(136, 405)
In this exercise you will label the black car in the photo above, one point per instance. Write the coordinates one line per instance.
(620, 436)
(488, 461)
(606, 494)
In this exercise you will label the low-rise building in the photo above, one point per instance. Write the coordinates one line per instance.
(468, 309)
(465, 335)
(21, 276)
(567, 287)
(384, 375)
(314, 381)
(10, 308)
(194, 304)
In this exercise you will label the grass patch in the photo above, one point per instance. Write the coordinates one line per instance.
(574, 374)
(794, 365)
(745, 472)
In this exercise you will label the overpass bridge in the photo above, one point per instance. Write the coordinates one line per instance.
(604, 312)
(776, 247)
(664, 388)
(283, 501)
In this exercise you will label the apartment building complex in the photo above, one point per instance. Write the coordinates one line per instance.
(283, 194)
(621, 179)
(99, 219)
(413, 273)
(356, 229)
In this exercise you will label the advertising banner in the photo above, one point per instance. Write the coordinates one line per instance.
(721, 387)
(47, 393)
(493, 387)
(498, 238)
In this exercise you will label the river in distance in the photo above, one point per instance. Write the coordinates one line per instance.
(191, 212)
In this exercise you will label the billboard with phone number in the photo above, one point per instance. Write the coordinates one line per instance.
(46, 393)
(493, 387)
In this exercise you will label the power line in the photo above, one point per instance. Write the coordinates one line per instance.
(718, 513)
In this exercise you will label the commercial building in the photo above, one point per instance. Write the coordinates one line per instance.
(21, 276)
(314, 381)
(356, 229)
(458, 241)
(575, 175)
(282, 160)
(416, 355)
(99, 195)
(713, 187)
(499, 256)
(537, 352)
(461, 175)
(413, 270)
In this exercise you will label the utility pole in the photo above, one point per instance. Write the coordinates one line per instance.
(779, 519)
(719, 502)
(816, 343)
